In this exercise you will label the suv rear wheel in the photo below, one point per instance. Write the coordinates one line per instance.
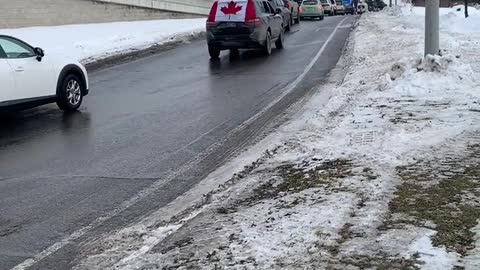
(70, 93)
(297, 20)
(289, 25)
(267, 47)
(214, 52)
(279, 42)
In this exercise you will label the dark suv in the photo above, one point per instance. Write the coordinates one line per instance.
(243, 24)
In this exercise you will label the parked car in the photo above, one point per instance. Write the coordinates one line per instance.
(312, 9)
(280, 7)
(339, 8)
(334, 5)
(294, 8)
(328, 7)
(30, 77)
(243, 24)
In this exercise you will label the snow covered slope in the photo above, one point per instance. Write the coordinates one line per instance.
(91, 42)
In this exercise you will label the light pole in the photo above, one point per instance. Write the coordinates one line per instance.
(431, 27)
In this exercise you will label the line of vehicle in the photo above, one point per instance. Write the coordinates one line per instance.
(160, 182)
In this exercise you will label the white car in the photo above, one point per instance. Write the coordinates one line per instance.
(31, 78)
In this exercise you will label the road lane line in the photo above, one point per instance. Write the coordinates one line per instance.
(324, 28)
(159, 183)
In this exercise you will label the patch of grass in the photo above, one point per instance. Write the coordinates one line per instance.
(381, 261)
(407, 117)
(296, 179)
(442, 202)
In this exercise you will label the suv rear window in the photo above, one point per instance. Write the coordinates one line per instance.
(310, 2)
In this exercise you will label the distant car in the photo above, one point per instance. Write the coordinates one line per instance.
(243, 24)
(294, 8)
(312, 9)
(30, 77)
(334, 5)
(328, 7)
(339, 8)
(282, 9)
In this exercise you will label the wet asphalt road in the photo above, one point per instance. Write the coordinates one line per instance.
(143, 122)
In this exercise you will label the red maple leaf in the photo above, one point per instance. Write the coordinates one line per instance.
(231, 9)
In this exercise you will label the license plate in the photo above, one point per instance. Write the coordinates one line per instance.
(231, 24)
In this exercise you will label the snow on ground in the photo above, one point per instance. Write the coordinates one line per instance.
(91, 42)
(379, 170)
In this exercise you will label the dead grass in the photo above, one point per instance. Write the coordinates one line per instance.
(427, 197)
(380, 261)
(294, 178)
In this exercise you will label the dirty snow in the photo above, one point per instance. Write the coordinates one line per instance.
(91, 42)
(323, 195)
(433, 258)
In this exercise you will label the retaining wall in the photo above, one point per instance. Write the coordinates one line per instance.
(25, 13)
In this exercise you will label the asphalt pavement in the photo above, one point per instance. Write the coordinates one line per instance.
(157, 124)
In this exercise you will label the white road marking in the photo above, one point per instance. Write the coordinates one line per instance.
(323, 28)
(159, 183)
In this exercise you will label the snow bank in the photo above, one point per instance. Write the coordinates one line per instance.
(452, 20)
(91, 42)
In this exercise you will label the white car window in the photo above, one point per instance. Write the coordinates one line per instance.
(15, 49)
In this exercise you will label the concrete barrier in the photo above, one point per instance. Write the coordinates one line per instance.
(25, 13)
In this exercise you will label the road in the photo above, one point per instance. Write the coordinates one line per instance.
(157, 124)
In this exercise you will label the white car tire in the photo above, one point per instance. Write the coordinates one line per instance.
(70, 93)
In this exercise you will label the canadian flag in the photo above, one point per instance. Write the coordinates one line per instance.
(231, 11)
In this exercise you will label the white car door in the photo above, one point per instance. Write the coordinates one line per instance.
(7, 91)
(33, 78)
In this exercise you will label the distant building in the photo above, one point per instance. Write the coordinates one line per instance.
(443, 3)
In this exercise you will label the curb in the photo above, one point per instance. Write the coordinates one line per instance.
(142, 53)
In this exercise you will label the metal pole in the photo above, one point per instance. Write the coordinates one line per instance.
(466, 8)
(431, 27)
(390, 4)
(395, 2)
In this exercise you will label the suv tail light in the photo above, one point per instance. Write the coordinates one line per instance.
(251, 15)
(253, 22)
(212, 15)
